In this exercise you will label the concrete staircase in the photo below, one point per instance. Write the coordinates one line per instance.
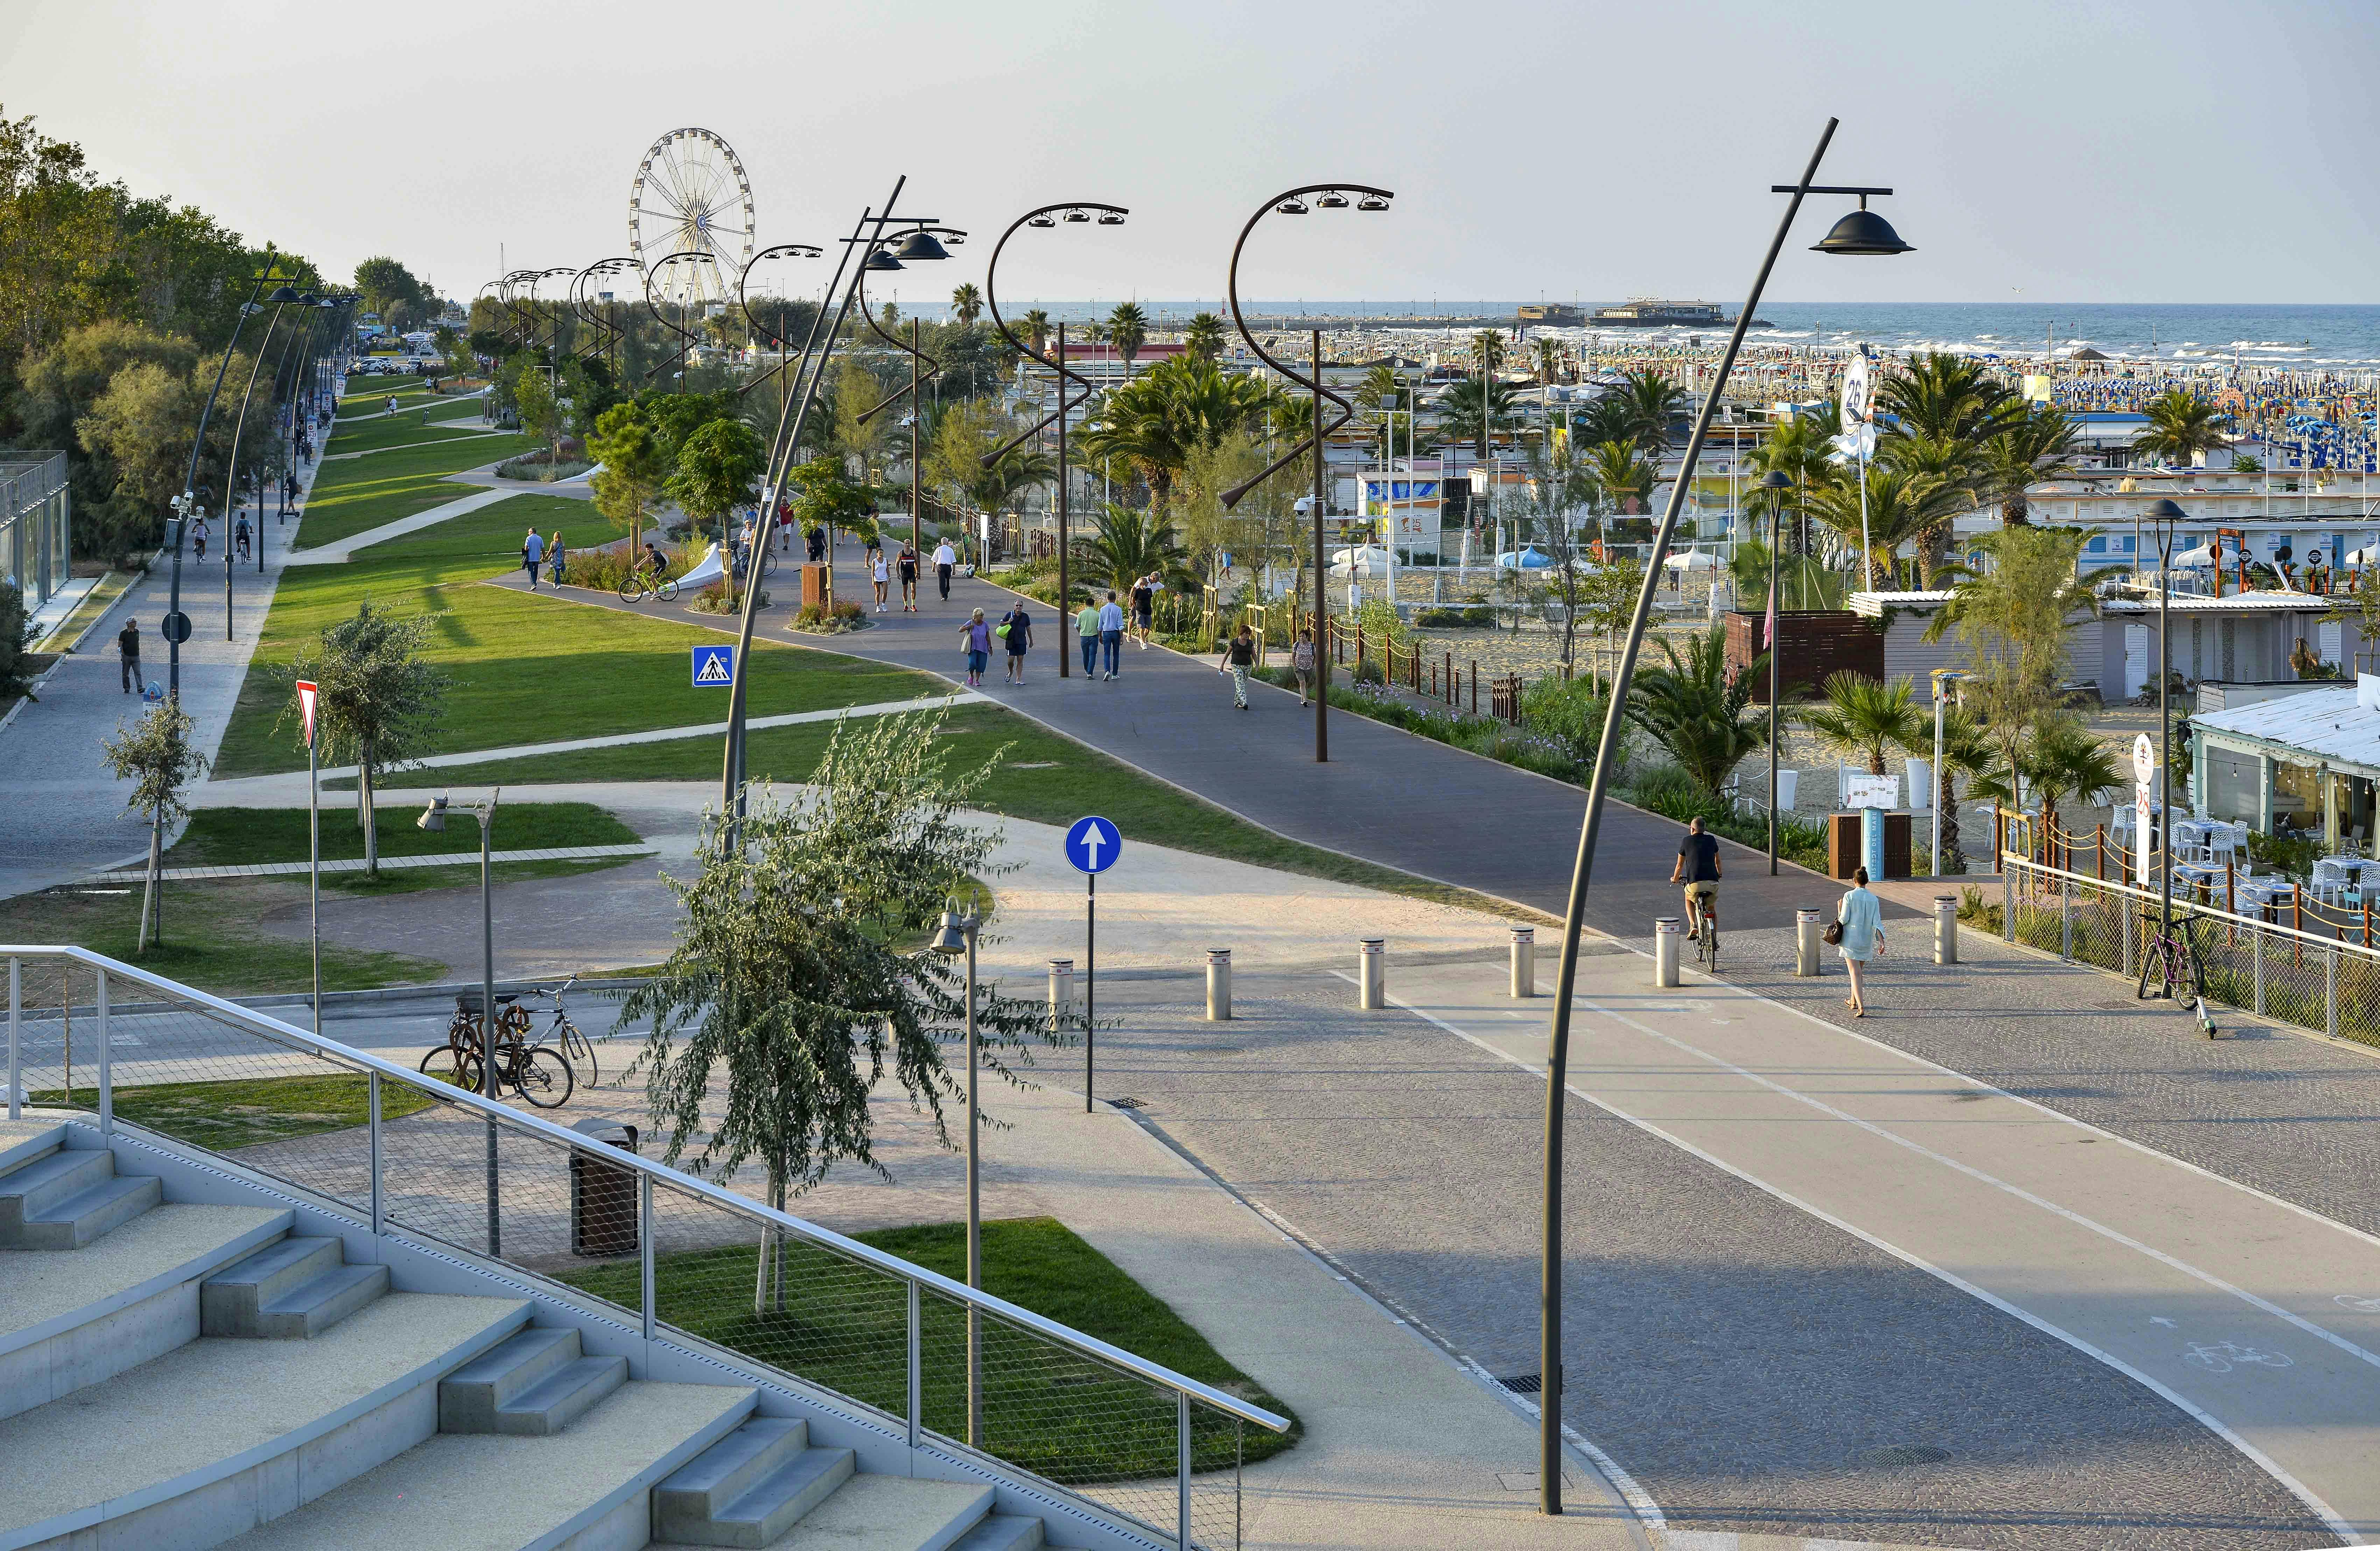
(213, 1371)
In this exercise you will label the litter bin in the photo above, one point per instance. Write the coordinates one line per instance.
(603, 1197)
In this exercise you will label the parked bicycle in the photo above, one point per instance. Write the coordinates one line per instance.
(576, 1046)
(647, 581)
(534, 1069)
(2170, 966)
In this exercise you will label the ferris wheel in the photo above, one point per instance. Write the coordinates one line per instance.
(691, 196)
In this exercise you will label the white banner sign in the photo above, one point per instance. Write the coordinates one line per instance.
(1862, 789)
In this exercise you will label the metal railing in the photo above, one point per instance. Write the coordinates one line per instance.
(2321, 979)
(948, 1367)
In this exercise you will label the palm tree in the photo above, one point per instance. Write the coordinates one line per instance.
(1863, 718)
(2035, 445)
(1609, 418)
(1900, 507)
(1653, 402)
(1155, 422)
(1942, 395)
(1487, 350)
(1696, 712)
(2012, 612)
(1128, 545)
(1035, 325)
(2180, 425)
(1956, 462)
(1965, 752)
(1459, 411)
(1799, 449)
(1204, 338)
(1127, 331)
(1617, 476)
(2065, 759)
(966, 303)
(1550, 359)
(1382, 388)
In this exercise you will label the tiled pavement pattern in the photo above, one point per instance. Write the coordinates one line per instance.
(1756, 1370)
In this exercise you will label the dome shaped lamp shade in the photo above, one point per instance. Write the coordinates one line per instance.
(920, 246)
(1111, 219)
(882, 260)
(1862, 232)
(1291, 207)
(1078, 215)
(1371, 202)
(283, 295)
(1044, 221)
(1333, 200)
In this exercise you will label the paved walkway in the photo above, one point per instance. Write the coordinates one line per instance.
(357, 863)
(401, 446)
(344, 549)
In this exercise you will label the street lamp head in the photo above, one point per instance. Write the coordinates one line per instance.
(919, 245)
(2164, 511)
(949, 938)
(1044, 221)
(308, 299)
(882, 260)
(283, 294)
(1292, 206)
(1776, 480)
(1111, 219)
(433, 818)
(1077, 215)
(1862, 232)
(1333, 200)
(1372, 202)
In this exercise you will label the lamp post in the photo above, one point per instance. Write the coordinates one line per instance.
(1862, 232)
(607, 328)
(1776, 482)
(783, 370)
(1330, 196)
(918, 246)
(1075, 212)
(280, 298)
(686, 351)
(957, 934)
(2168, 519)
(434, 818)
(187, 501)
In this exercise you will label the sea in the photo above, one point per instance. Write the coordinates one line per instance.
(2269, 335)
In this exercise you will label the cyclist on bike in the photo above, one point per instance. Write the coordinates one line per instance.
(653, 558)
(1697, 868)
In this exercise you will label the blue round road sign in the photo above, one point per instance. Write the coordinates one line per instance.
(1092, 844)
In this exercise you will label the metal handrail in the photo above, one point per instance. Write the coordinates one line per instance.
(959, 1293)
(2010, 865)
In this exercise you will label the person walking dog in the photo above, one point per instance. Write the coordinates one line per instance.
(1859, 935)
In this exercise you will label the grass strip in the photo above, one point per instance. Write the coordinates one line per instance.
(245, 836)
(225, 1115)
(354, 495)
(211, 936)
(1063, 1416)
(97, 602)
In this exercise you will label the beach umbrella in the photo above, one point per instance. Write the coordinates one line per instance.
(1528, 558)
(1690, 560)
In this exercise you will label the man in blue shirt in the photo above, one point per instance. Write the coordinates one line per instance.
(1110, 634)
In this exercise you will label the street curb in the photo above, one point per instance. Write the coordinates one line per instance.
(381, 993)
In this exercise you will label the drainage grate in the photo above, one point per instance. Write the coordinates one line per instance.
(1905, 1454)
(1523, 1384)
(1124, 1102)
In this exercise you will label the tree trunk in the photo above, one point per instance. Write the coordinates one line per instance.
(152, 887)
(366, 812)
(1946, 797)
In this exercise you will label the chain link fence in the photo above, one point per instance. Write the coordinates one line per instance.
(957, 1371)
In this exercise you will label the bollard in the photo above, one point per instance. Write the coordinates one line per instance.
(1061, 992)
(1218, 985)
(1667, 932)
(1945, 928)
(1370, 977)
(1524, 961)
(1805, 943)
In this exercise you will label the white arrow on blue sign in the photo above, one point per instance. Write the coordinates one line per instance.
(1092, 844)
(714, 667)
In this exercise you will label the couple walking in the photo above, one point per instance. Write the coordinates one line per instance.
(1014, 633)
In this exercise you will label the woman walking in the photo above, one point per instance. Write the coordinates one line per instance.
(976, 635)
(883, 575)
(1017, 631)
(1301, 662)
(1239, 657)
(1861, 916)
(554, 556)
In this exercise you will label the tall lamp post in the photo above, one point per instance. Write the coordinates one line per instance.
(783, 370)
(957, 934)
(2168, 519)
(1861, 232)
(1330, 196)
(685, 349)
(606, 327)
(434, 818)
(1075, 212)
(919, 243)
(280, 298)
(1776, 482)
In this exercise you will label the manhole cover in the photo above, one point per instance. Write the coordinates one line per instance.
(1905, 1454)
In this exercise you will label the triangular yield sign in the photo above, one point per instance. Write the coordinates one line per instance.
(307, 694)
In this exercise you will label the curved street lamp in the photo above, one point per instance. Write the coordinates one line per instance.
(1776, 482)
(1331, 196)
(280, 299)
(1861, 233)
(1077, 210)
(743, 304)
(552, 344)
(919, 244)
(512, 283)
(607, 332)
(685, 351)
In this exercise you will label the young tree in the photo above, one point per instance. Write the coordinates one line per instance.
(629, 448)
(799, 976)
(540, 413)
(154, 754)
(716, 470)
(2012, 613)
(2360, 606)
(1861, 717)
(379, 701)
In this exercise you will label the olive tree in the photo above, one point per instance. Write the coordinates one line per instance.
(155, 754)
(380, 700)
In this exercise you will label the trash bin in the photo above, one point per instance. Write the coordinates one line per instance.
(602, 1198)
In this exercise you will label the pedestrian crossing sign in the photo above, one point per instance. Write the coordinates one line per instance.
(714, 667)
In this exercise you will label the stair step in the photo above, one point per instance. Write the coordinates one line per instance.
(564, 1398)
(726, 1471)
(23, 1141)
(89, 1213)
(1002, 1532)
(892, 1513)
(29, 1190)
(470, 1397)
(291, 1289)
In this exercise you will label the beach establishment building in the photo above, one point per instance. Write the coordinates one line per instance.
(2246, 637)
(2283, 519)
(2306, 757)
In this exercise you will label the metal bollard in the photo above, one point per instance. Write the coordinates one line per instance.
(1371, 955)
(1061, 992)
(1218, 985)
(1667, 931)
(1805, 943)
(1945, 928)
(1524, 961)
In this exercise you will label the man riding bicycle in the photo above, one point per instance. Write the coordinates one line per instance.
(1697, 868)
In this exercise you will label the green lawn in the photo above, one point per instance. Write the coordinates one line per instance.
(1045, 778)
(1066, 1418)
(211, 936)
(362, 493)
(373, 435)
(528, 668)
(241, 837)
(247, 1112)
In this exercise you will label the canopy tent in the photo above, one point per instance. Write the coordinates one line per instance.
(1527, 558)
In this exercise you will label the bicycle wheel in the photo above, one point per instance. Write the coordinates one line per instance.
(543, 1077)
(2153, 972)
(580, 1051)
(632, 589)
(666, 589)
(2194, 973)
(452, 1065)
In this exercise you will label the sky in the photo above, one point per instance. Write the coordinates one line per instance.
(2070, 151)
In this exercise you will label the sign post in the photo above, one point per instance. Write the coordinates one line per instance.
(306, 696)
(1871, 794)
(2144, 810)
(1092, 845)
(714, 667)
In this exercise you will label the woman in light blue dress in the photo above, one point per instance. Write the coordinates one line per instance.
(1862, 914)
